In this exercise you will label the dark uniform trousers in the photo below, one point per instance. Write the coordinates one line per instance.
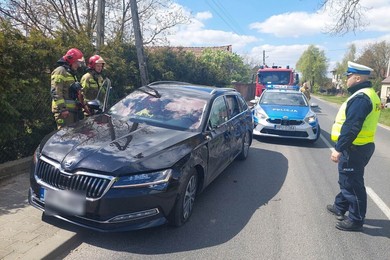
(353, 196)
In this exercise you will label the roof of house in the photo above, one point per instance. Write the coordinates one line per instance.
(386, 80)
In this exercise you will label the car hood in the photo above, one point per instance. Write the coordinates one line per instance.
(110, 146)
(291, 112)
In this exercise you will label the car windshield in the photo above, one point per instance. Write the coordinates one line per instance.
(283, 99)
(274, 77)
(173, 109)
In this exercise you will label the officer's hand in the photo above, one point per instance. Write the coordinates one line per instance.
(64, 114)
(335, 157)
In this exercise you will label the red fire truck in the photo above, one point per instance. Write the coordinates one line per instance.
(275, 75)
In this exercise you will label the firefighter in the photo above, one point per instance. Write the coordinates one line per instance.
(354, 133)
(92, 81)
(305, 90)
(66, 90)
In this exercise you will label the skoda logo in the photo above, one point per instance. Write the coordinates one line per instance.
(285, 117)
(68, 164)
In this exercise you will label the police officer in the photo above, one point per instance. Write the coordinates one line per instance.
(93, 79)
(354, 132)
(65, 88)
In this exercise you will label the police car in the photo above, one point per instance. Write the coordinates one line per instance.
(283, 111)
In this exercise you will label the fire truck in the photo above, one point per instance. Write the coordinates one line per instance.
(275, 75)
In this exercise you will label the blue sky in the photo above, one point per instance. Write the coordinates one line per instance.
(282, 28)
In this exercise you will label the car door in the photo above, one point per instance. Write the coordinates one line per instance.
(236, 124)
(220, 138)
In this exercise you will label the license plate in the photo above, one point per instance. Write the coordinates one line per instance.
(285, 127)
(63, 201)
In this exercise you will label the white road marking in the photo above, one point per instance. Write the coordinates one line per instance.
(375, 198)
(380, 203)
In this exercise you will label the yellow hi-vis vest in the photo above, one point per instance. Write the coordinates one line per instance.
(367, 133)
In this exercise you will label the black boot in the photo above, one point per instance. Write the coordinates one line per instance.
(332, 209)
(348, 225)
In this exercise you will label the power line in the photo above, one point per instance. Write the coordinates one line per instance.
(222, 13)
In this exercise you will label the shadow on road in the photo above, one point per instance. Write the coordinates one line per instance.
(220, 212)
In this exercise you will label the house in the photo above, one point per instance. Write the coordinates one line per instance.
(385, 90)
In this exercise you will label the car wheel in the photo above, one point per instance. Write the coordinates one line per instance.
(246, 142)
(185, 202)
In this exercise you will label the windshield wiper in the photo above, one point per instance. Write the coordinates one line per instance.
(156, 94)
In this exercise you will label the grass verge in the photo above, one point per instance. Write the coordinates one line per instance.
(385, 113)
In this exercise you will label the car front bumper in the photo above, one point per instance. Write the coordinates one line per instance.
(302, 131)
(117, 210)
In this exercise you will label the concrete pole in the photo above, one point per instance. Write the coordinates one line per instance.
(139, 43)
(100, 24)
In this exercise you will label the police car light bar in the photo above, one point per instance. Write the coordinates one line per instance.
(282, 87)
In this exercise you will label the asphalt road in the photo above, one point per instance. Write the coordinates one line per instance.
(271, 206)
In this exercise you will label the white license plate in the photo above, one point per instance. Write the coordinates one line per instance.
(64, 201)
(285, 127)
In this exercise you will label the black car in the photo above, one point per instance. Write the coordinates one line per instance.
(142, 162)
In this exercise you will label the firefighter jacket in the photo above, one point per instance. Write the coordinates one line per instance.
(62, 95)
(91, 82)
(357, 119)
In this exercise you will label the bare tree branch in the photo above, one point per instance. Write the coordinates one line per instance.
(349, 15)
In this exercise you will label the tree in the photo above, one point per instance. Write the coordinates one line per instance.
(348, 14)
(313, 66)
(50, 17)
(376, 56)
(223, 68)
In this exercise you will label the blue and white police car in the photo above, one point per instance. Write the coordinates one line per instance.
(284, 111)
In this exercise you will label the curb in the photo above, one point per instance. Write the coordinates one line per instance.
(13, 168)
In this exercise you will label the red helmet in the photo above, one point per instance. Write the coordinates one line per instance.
(73, 55)
(95, 59)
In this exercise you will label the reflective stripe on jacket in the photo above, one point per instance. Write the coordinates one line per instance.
(367, 133)
(91, 85)
(61, 80)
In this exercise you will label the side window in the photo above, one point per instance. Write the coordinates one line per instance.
(218, 114)
(243, 104)
(233, 107)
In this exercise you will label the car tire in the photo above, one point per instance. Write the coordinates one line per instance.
(184, 205)
(246, 142)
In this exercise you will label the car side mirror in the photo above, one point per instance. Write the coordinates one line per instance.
(313, 105)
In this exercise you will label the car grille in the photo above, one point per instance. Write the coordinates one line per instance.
(284, 122)
(284, 133)
(93, 186)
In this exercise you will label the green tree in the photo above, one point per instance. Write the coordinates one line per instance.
(25, 96)
(313, 65)
(223, 67)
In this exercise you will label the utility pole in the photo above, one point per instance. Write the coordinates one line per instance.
(139, 43)
(264, 57)
(100, 24)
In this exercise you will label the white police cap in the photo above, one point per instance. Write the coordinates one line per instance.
(354, 68)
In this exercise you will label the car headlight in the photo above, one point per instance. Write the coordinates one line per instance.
(259, 113)
(157, 179)
(311, 118)
(36, 155)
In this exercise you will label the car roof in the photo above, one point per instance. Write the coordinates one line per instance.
(202, 90)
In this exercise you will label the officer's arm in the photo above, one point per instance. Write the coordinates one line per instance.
(356, 112)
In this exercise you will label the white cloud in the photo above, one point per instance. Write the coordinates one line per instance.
(194, 34)
(203, 16)
(279, 55)
(378, 19)
(291, 24)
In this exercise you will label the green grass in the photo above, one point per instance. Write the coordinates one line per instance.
(385, 113)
